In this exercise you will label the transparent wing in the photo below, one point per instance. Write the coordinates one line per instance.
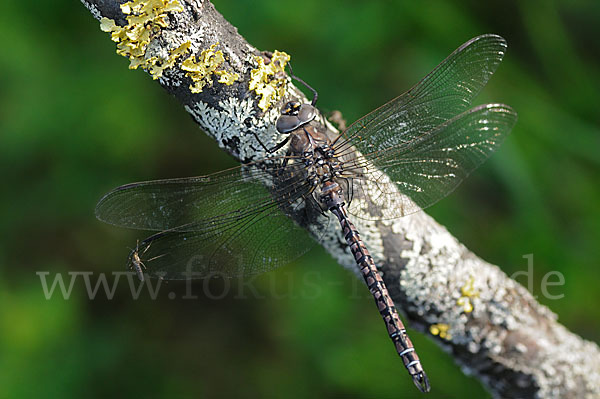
(174, 203)
(253, 244)
(411, 176)
(235, 222)
(444, 93)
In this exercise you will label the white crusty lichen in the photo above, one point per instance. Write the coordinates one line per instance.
(93, 9)
(235, 120)
(433, 256)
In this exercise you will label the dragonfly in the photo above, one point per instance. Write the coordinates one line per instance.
(410, 152)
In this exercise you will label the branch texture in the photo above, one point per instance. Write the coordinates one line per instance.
(491, 325)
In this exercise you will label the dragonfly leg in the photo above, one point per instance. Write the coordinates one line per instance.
(285, 161)
(272, 150)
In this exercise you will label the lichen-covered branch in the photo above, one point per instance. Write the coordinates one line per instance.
(492, 326)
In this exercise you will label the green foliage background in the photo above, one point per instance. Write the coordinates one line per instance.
(75, 122)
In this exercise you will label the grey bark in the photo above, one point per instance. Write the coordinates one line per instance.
(514, 345)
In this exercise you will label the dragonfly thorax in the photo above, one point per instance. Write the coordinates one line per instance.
(323, 174)
(310, 145)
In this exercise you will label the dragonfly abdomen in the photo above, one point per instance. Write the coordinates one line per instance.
(383, 300)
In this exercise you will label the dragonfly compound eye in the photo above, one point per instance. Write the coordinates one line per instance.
(306, 113)
(287, 123)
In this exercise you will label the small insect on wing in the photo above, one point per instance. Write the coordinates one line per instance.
(136, 262)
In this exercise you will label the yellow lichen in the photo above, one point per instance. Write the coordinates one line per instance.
(157, 65)
(467, 291)
(465, 302)
(145, 19)
(441, 330)
(268, 80)
(201, 68)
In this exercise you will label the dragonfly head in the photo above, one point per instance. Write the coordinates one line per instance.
(293, 115)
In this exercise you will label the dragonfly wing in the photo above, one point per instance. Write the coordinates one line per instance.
(444, 93)
(411, 176)
(237, 222)
(240, 246)
(173, 203)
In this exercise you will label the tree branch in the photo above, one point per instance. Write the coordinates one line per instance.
(493, 327)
